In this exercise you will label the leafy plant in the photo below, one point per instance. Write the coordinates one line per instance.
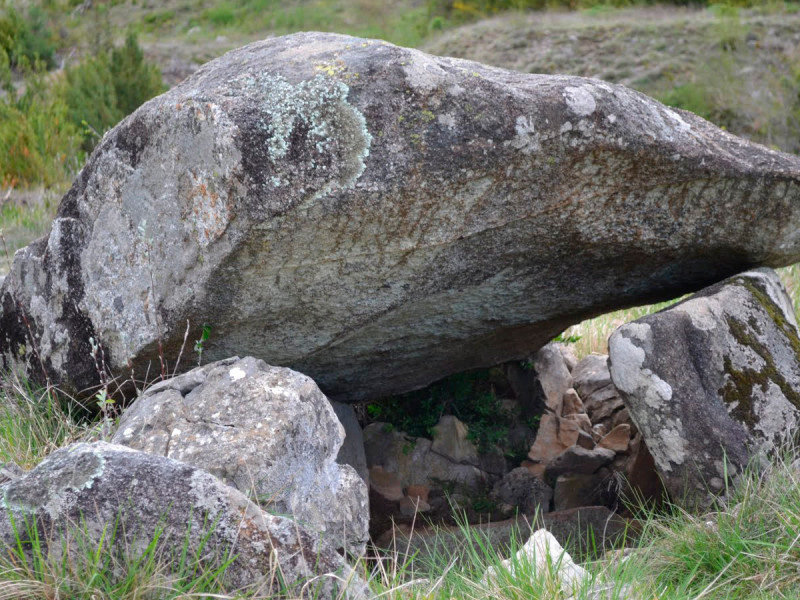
(38, 143)
(135, 80)
(566, 338)
(469, 396)
(198, 344)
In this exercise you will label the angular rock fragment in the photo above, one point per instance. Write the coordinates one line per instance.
(378, 218)
(712, 382)
(617, 439)
(265, 430)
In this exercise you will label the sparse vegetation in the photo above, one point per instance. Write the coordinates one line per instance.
(469, 396)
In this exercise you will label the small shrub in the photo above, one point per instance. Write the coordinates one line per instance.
(38, 144)
(91, 98)
(102, 90)
(469, 396)
(135, 81)
(26, 40)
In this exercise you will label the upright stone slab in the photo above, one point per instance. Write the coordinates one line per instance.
(378, 218)
(712, 382)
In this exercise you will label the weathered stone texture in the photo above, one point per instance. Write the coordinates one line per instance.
(100, 491)
(267, 431)
(712, 382)
(378, 218)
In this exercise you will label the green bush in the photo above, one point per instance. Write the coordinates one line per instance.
(135, 81)
(38, 143)
(102, 90)
(45, 131)
(26, 39)
(91, 98)
(469, 396)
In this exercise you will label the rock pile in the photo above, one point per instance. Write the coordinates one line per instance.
(587, 446)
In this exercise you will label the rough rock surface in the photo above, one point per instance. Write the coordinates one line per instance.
(377, 218)
(521, 489)
(578, 460)
(264, 430)
(99, 488)
(352, 450)
(415, 462)
(713, 378)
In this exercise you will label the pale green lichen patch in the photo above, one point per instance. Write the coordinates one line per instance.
(314, 122)
(47, 486)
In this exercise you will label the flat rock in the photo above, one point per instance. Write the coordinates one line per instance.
(378, 218)
(579, 460)
(712, 382)
(575, 490)
(587, 529)
(617, 439)
(87, 491)
(265, 430)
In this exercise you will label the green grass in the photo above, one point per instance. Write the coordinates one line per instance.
(35, 422)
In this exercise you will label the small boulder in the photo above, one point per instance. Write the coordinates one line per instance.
(573, 490)
(352, 450)
(553, 375)
(585, 440)
(450, 440)
(571, 403)
(411, 506)
(521, 489)
(602, 403)
(547, 559)
(385, 483)
(555, 434)
(414, 462)
(418, 491)
(712, 382)
(121, 498)
(590, 374)
(574, 528)
(265, 430)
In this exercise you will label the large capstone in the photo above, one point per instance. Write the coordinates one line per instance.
(713, 383)
(267, 431)
(378, 218)
(101, 497)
